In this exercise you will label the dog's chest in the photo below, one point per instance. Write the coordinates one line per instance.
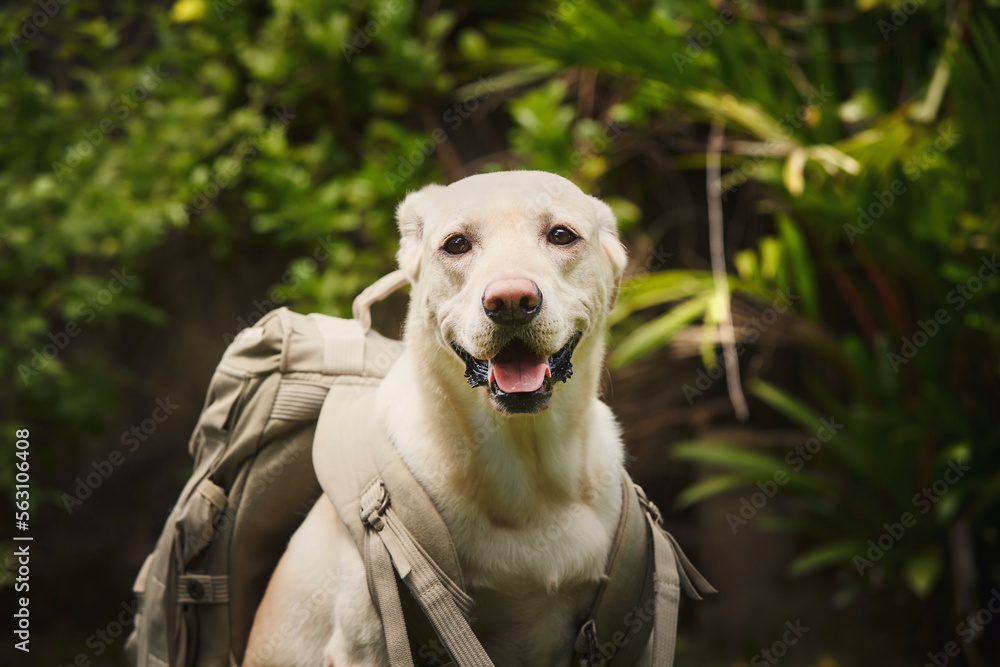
(564, 549)
(531, 627)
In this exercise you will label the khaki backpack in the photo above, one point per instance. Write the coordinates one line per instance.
(293, 397)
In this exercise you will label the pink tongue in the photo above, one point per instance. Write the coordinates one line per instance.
(520, 373)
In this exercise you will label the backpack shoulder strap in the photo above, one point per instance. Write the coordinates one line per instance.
(641, 593)
(350, 451)
(624, 603)
(395, 524)
(672, 566)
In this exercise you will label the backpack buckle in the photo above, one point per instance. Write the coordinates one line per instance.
(373, 506)
(651, 509)
(586, 644)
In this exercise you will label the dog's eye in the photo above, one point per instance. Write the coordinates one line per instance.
(561, 236)
(457, 245)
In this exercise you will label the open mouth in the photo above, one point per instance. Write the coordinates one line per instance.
(518, 378)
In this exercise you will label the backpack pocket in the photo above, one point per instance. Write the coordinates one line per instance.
(164, 586)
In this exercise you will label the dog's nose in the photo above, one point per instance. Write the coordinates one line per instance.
(512, 300)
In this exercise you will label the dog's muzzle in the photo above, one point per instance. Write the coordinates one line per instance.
(519, 380)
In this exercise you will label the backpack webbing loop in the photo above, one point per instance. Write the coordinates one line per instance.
(617, 607)
(666, 588)
(673, 571)
(202, 589)
(639, 524)
(586, 642)
(694, 584)
(388, 545)
(381, 577)
(343, 345)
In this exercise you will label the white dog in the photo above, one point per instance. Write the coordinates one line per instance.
(513, 276)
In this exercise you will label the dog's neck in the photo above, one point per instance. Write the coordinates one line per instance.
(508, 468)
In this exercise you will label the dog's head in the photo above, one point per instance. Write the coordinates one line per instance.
(511, 272)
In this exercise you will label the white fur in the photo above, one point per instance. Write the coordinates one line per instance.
(531, 500)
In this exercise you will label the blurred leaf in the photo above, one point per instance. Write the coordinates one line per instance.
(185, 11)
(830, 554)
(651, 289)
(751, 465)
(707, 488)
(653, 335)
(791, 173)
(625, 212)
(747, 266)
(791, 407)
(798, 254)
(922, 571)
(725, 455)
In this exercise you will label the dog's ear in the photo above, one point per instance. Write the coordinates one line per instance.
(410, 217)
(614, 251)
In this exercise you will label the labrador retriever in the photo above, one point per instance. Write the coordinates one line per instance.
(494, 407)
